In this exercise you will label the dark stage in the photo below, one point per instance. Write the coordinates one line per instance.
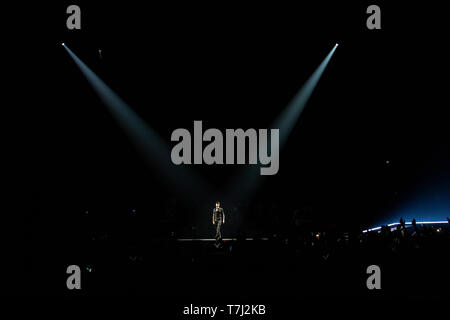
(323, 134)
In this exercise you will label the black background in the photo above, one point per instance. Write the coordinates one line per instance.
(237, 67)
(382, 97)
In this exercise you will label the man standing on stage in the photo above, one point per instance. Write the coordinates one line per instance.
(218, 219)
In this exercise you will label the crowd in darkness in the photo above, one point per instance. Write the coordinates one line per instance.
(300, 257)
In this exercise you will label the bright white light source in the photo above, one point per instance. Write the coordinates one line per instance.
(396, 223)
(62, 43)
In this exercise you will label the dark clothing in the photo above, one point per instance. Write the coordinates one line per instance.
(218, 215)
(218, 231)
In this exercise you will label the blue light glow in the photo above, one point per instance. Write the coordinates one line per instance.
(407, 223)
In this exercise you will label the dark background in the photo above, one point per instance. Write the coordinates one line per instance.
(382, 97)
(238, 67)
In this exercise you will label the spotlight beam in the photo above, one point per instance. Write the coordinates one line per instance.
(147, 141)
(249, 179)
(288, 118)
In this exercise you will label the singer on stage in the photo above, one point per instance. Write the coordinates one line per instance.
(218, 219)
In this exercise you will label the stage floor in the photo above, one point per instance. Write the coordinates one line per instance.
(224, 239)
